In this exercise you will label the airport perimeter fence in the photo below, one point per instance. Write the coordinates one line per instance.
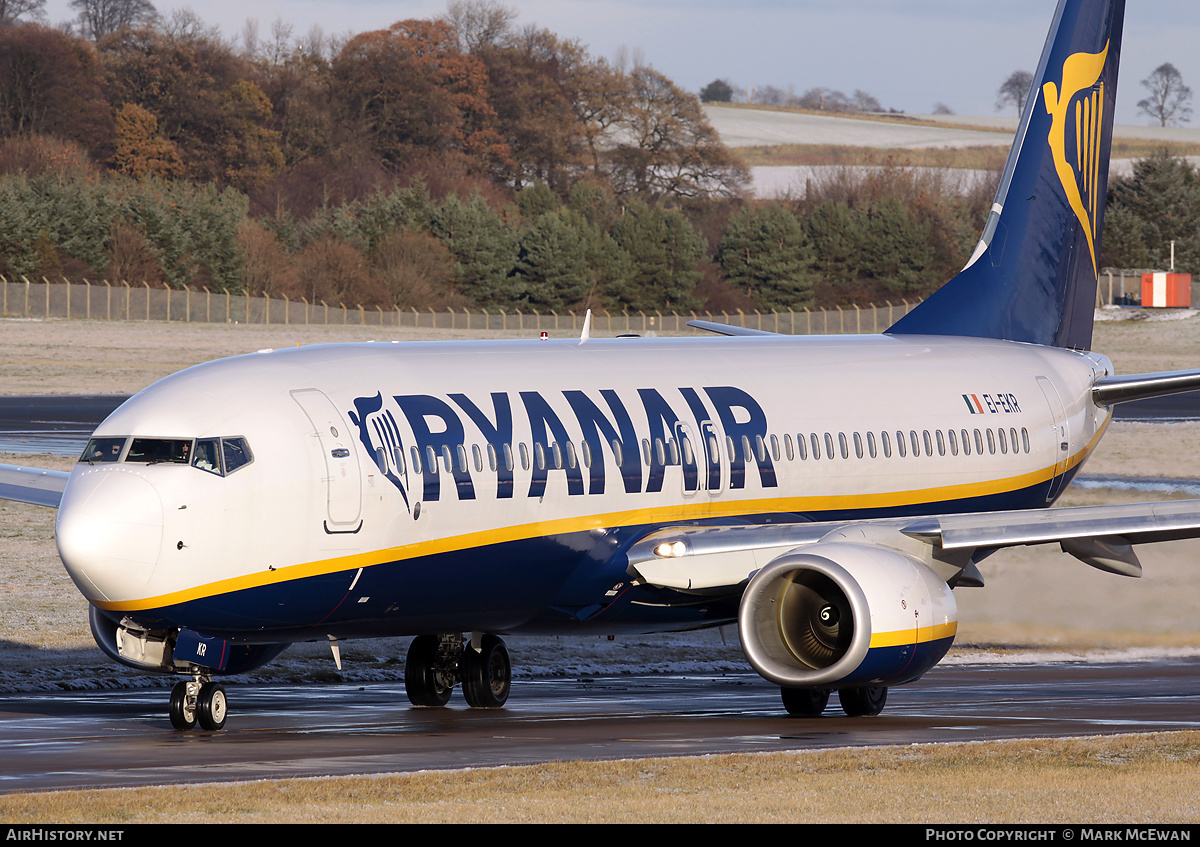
(128, 302)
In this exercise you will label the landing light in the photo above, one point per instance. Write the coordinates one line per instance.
(670, 550)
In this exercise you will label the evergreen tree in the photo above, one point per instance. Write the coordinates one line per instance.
(484, 247)
(765, 253)
(552, 262)
(1158, 203)
(664, 250)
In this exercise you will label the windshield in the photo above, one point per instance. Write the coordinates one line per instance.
(152, 450)
(220, 456)
(103, 450)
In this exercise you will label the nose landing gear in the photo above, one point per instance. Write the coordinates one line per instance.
(436, 663)
(198, 700)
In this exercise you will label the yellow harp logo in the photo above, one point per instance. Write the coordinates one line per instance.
(1080, 171)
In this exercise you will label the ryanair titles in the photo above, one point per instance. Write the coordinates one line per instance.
(453, 441)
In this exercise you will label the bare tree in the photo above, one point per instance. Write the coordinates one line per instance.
(865, 102)
(1169, 101)
(13, 10)
(479, 23)
(98, 18)
(1014, 91)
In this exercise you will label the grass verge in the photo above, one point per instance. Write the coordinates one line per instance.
(1124, 779)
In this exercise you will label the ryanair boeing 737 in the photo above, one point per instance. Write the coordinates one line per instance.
(826, 493)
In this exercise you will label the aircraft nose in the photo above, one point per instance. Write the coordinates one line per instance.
(109, 532)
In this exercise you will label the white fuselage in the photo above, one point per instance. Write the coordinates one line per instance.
(481, 470)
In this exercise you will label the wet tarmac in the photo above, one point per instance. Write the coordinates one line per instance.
(123, 738)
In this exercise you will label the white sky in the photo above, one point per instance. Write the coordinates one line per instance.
(910, 54)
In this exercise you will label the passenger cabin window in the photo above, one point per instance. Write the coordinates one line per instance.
(103, 450)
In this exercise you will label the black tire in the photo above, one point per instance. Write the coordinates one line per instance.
(863, 702)
(805, 702)
(487, 675)
(420, 681)
(183, 716)
(212, 707)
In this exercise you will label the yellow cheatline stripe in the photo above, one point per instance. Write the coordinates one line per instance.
(662, 515)
(925, 634)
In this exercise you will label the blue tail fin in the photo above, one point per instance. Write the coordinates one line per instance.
(1033, 274)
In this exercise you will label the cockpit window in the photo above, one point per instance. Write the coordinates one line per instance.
(103, 450)
(155, 450)
(221, 456)
(235, 452)
(208, 455)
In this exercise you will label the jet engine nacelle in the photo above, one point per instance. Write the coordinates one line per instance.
(839, 615)
(153, 651)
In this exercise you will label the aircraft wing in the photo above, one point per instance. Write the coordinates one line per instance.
(706, 558)
(32, 485)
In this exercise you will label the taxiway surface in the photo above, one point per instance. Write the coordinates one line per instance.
(123, 738)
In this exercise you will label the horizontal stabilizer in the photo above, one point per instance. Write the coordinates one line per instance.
(727, 329)
(1121, 389)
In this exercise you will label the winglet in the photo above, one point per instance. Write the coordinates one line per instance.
(587, 327)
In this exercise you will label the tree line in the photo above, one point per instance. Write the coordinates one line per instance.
(457, 161)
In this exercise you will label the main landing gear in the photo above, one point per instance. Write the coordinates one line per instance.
(855, 702)
(198, 701)
(436, 663)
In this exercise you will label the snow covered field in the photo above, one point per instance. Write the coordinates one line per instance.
(742, 127)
